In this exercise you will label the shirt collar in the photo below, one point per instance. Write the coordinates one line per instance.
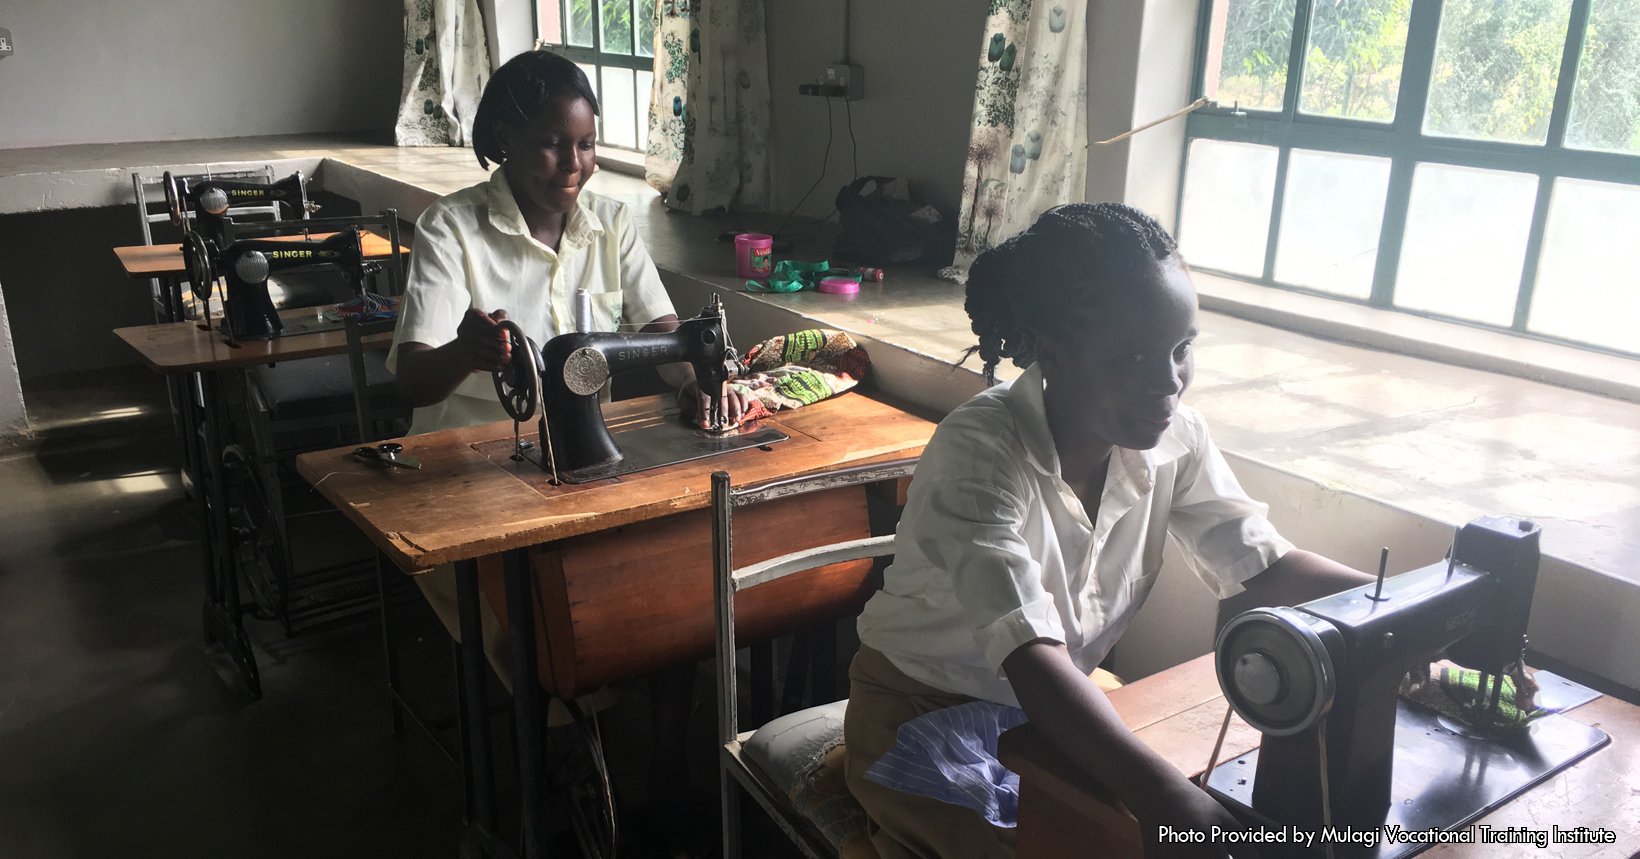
(506, 217)
(1024, 399)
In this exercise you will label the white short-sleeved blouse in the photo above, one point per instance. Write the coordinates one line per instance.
(474, 250)
(995, 550)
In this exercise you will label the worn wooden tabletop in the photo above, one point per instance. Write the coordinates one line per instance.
(166, 260)
(469, 499)
(184, 347)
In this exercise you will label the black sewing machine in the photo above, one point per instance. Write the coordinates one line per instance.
(208, 202)
(247, 309)
(1341, 748)
(563, 381)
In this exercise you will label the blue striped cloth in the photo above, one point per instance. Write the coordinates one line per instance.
(951, 755)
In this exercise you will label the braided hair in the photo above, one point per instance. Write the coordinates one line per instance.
(1061, 269)
(518, 91)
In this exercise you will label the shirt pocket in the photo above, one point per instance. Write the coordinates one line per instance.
(606, 310)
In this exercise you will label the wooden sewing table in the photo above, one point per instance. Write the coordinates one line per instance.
(610, 579)
(164, 264)
(195, 360)
(1178, 712)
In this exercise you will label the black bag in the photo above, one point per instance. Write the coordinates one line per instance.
(877, 226)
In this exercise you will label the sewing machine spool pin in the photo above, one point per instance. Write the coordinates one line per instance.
(1383, 564)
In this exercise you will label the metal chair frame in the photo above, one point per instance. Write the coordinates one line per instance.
(734, 768)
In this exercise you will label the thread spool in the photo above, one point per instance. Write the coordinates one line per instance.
(875, 274)
(583, 311)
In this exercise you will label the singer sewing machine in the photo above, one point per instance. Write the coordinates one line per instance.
(563, 380)
(1341, 748)
(248, 311)
(202, 206)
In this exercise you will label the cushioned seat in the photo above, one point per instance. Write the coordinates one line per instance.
(790, 751)
(316, 387)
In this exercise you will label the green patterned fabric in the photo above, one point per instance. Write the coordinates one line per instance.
(709, 110)
(1027, 151)
(446, 64)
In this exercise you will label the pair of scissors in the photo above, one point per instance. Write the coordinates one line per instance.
(386, 452)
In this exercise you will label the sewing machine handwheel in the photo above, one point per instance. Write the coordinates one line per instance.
(196, 259)
(173, 200)
(518, 383)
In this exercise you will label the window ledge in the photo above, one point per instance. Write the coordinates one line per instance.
(1432, 339)
(620, 161)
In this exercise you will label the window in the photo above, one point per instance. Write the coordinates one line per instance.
(1477, 160)
(613, 42)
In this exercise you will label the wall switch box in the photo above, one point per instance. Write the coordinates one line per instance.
(850, 78)
(5, 42)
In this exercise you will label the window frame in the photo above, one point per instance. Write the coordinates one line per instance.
(597, 57)
(1404, 143)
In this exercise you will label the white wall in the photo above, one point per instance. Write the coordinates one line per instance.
(920, 58)
(106, 71)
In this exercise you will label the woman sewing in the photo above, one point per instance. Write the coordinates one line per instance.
(518, 246)
(1034, 530)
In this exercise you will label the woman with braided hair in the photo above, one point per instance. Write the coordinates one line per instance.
(1033, 532)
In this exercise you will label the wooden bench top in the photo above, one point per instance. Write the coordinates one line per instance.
(184, 347)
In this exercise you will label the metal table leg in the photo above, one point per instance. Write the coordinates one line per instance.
(520, 586)
(478, 760)
(223, 614)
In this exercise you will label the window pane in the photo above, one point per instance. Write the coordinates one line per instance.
(1588, 285)
(1330, 218)
(616, 21)
(549, 27)
(646, 101)
(1225, 220)
(580, 22)
(1465, 242)
(620, 123)
(1352, 66)
(592, 78)
(646, 28)
(1247, 53)
(1496, 62)
(1606, 99)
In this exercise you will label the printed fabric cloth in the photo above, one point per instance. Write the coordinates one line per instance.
(951, 755)
(446, 64)
(1028, 148)
(800, 369)
(708, 146)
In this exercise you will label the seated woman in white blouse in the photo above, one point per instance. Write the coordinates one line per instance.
(518, 247)
(1034, 530)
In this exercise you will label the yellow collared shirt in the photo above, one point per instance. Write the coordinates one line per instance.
(474, 250)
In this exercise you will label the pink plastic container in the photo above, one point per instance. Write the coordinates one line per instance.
(839, 286)
(754, 255)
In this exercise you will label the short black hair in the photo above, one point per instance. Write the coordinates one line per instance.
(1057, 272)
(518, 91)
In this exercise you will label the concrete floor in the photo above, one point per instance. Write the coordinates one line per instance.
(122, 735)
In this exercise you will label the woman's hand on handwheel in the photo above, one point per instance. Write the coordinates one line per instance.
(483, 342)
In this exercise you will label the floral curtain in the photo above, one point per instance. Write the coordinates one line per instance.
(709, 121)
(446, 64)
(1028, 149)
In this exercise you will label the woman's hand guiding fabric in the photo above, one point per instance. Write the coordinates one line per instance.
(736, 401)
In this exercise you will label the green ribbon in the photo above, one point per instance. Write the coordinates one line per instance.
(793, 275)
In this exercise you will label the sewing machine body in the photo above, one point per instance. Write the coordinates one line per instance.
(573, 440)
(1330, 671)
(248, 311)
(209, 201)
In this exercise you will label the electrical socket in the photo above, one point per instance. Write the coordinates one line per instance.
(850, 78)
(5, 42)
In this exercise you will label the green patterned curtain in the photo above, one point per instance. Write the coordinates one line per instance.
(446, 64)
(1027, 151)
(709, 118)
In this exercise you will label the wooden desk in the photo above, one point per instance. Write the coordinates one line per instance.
(183, 347)
(166, 260)
(622, 567)
(1062, 813)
